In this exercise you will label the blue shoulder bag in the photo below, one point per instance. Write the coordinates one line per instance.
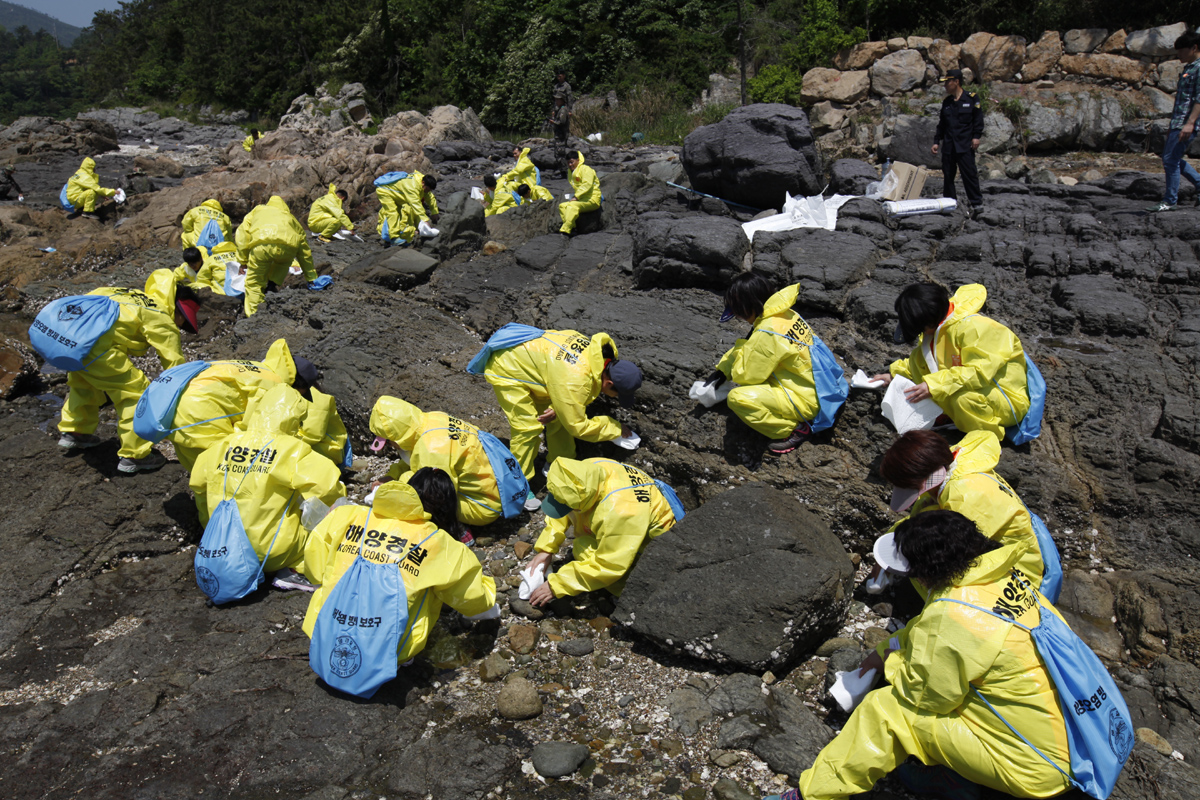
(1052, 573)
(210, 235)
(154, 418)
(830, 380)
(511, 482)
(1099, 729)
(227, 568)
(356, 637)
(1030, 426)
(510, 335)
(388, 178)
(64, 202)
(66, 330)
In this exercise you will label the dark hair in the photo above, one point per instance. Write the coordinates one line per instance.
(940, 546)
(192, 254)
(523, 190)
(254, 132)
(185, 293)
(489, 181)
(342, 193)
(914, 457)
(921, 306)
(1189, 39)
(747, 295)
(439, 497)
(607, 352)
(429, 181)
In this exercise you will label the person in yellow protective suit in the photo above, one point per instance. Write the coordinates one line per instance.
(189, 269)
(586, 188)
(326, 216)
(195, 221)
(931, 711)
(268, 240)
(142, 324)
(524, 171)
(322, 428)
(497, 196)
(270, 473)
(551, 381)
(616, 510)
(211, 274)
(436, 439)
(403, 205)
(776, 393)
(248, 142)
(970, 365)
(84, 187)
(929, 475)
(435, 570)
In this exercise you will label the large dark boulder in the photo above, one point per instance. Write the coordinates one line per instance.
(705, 252)
(755, 155)
(749, 580)
(396, 268)
(851, 176)
(910, 141)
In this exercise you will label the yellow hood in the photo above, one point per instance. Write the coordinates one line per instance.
(225, 247)
(160, 285)
(276, 202)
(398, 500)
(214, 205)
(88, 164)
(979, 451)
(332, 189)
(279, 359)
(575, 483)
(397, 421)
(781, 301)
(968, 300)
(990, 567)
(581, 158)
(280, 410)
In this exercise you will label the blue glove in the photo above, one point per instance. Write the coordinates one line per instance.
(323, 282)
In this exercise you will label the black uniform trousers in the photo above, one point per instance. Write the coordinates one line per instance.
(954, 162)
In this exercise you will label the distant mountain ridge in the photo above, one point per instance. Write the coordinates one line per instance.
(13, 16)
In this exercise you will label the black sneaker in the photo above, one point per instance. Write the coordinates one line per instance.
(148, 463)
(78, 441)
(799, 436)
(288, 578)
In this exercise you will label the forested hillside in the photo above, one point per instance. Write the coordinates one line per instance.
(493, 55)
(13, 16)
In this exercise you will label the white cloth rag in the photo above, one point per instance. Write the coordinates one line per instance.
(862, 381)
(708, 395)
(491, 613)
(531, 581)
(849, 689)
(906, 416)
(629, 442)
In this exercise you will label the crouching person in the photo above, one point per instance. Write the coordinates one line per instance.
(616, 510)
(269, 472)
(385, 572)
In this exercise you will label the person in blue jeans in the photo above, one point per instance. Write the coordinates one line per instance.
(1183, 122)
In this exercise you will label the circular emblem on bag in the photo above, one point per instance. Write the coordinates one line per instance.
(345, 658)
(1120, 734)
(207, 581)
(69, 313)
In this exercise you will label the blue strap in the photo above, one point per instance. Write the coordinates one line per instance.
(249, 469)
(460, 494)
(411, 617)
(278, 527)
(623, 488)
(1000, 617)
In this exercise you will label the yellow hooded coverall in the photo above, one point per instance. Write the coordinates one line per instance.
(773, 369)
(84, 187)
(506, 197)
(322, 427)
(586, 188)
(930, 711)
(195, 220)
(617, 511)
(268, 470)
(441, 570)
(161, 285)
(561, 370)
(972, 354)
(402, 205)
(212, 273)
(435, 439)
(268, 240)
(523, 172)
(142, 324)
(248, 143)
(326, 216)
(974, 490)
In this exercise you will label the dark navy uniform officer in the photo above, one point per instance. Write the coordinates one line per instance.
(958, 133)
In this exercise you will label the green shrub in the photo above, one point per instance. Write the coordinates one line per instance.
(775, 84)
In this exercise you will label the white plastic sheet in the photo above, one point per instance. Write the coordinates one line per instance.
(800, 212)
(906, 416)
(709, 395)
(849, 689)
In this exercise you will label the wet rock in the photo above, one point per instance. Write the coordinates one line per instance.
(823, 262)
(785, 734)
(396, 268)
(727, 789)
(519, 699)
(693, 590)
(524, 608)
(493, 668)
(1102, 306)
(1171, 779)
(523, 638)
(453, 764)
(851, 176)
(910, 141)
(689, 709)
(576, 647)
(558, 759)
(755, 155)
(696, 251)
(159, 166)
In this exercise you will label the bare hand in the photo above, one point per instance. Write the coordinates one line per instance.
(917, 393)
(886, 377)
(934, 149)
(626, 431)
(541, 595)
(1187, 130)
(873, 661)
(974, 144)
(549, 415)
(540, 560)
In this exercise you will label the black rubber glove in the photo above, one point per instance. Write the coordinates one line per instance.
(716, 379)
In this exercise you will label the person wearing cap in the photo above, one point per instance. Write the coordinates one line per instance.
(776, 393)
(550, 381)
(959, 130)
(970, 365)
(197, 219)
(404, 205)
(326, 217)
(141, 324)
(929, 475)
(268, 241)
(447, 443)
(269, 472)
(8, 183)
(616, 509)
(435, 568)
(586, 187)
(930, 709)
